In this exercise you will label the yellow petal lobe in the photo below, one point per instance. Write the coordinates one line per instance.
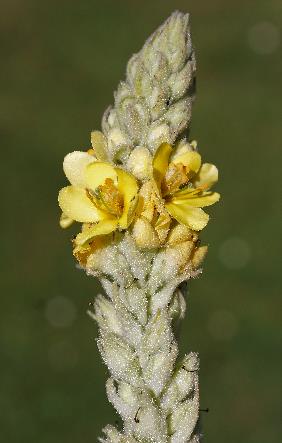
(96, 174)
(160, 162)
(74, 166)
(190, 159)
(207, 176)
(190, 216)
(101, 228)
(128, 187)
(197, 200)
(76, 205)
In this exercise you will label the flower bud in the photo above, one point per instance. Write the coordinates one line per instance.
(142, 83)
(109, 119)
(191, 362)
(144, 234)
(99, 144)
(115, 138)
(106, 315)
(140, 163)
(178, 117)
(158, 133)
(178, 234)
(198, 256)
(179, 81)
(124, 399)
(65, 221)
(177, 306)
(132, 67)
(122, 92)
(181, 385)
(113, 436)
(184, 419)
(133, 117)
(159, 368)
(119, 357)
(158, 334)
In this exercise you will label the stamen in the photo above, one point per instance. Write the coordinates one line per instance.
(111, 197)
(93, 198)
(176, 176)
(203, 187)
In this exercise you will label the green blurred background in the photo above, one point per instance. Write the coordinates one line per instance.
(61, 61)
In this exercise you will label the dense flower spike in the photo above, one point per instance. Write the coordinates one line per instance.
(139, 193)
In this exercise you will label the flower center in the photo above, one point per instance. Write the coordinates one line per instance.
(175, 177)
(108, 198)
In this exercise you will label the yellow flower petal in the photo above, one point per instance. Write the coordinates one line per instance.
(198, 201)
(191, 159)
(195, 218)
(102, 228)
(96, 174)
(76, 205)
(128, 187)
(187, 192)
(65, 221)
(74, 166)
(160, 162)
(99, 144)
(207, 176)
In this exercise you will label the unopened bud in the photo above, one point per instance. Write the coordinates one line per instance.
(144, 234)
(157, 135)
(179, 233)
(99, 144)
(115, 138)
(178, 117)
(65, 221)
(140, 163)
(198, 256)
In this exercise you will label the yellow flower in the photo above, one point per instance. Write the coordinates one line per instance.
(183, 185)
(101, 196)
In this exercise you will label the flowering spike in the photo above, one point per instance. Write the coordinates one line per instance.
(139, 193)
